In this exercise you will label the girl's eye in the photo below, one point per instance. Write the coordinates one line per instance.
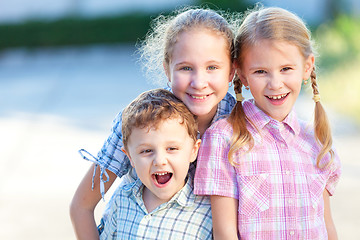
(186, 68)
(260, 71)
(285, 69)
(212, 68)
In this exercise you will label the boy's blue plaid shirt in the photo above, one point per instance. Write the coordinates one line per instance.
(185, 216)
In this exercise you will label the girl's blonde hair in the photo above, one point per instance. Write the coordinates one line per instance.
(157, 48)
(279, 25)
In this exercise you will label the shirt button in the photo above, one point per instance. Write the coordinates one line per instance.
(290, 201)
(292, 233)
(287, 172)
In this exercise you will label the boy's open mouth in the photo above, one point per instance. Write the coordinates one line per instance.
(163, 178)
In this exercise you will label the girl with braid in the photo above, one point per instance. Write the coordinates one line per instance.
(269, 174)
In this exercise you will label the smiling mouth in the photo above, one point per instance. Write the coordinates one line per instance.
(277, 97)
(163, 177)
(199, 97)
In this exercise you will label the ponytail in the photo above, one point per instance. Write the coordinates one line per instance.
(241, 135)
(321, 125)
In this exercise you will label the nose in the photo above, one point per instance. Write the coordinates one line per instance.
(159, 159)
(198, 80)
(275, 82)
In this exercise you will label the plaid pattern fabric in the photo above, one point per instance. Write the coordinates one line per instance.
(277, 183)
(185, 216)
(112, 158)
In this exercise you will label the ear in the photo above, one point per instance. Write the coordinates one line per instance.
(242, 77)
(195, 150)
(167, 73)
(127, 154)
(166, 70)
(308, 66)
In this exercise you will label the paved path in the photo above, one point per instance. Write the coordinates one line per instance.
(54, 102)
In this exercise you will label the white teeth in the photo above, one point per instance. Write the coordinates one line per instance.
(198, 97)
(161, 174)
(278, 96)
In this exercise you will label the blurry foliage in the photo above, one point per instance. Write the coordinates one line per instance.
(338, 40)
(79, 31)
(339, 62)
(75, 31)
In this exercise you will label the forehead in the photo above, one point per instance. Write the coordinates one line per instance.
(264, 50)
(169, 129)
(162, 124)
(202, 32)
(197, 45)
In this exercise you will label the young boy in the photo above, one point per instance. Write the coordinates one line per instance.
(160, 139)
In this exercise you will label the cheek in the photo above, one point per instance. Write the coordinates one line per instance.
(298, 80)
(143, 165)
(256, 85)
(178, 85)
(222, 82)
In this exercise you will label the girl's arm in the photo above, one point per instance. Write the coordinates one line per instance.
(84, 202)
(224, 217)
(330, 226)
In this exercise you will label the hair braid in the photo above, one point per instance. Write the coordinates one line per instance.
(241, 135)
(314, 85)
(321, 125)
(237, 84)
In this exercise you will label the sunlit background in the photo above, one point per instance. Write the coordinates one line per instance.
(67, 67)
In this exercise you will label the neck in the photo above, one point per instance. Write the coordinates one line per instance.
(150, 201)
(203, 123)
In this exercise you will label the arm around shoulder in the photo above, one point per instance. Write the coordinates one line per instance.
(84, 202)
(224, 215)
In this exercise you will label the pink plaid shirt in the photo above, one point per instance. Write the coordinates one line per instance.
(277, 183)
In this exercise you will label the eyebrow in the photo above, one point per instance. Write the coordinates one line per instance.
(257, 67)
(211, 62)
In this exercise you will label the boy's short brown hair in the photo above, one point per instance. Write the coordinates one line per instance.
(151, 108)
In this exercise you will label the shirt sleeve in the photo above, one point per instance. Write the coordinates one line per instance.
(224, 107)
(214, 174)
(110, 156)
(334, 174)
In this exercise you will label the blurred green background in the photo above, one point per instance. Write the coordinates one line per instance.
(339, 63)
(338, 40)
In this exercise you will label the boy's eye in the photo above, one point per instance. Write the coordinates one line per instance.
(172, 148)
(145, 151)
